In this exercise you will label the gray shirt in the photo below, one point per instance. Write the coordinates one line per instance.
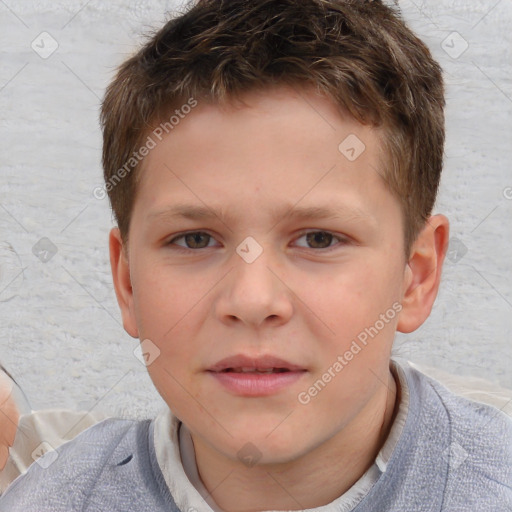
(452, 454)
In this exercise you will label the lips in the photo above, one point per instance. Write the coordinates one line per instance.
(262, 364)
(256, 377)
(255, 370)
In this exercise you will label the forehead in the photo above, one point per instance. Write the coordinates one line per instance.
(276, 145)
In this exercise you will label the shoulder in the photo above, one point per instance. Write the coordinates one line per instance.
(480, 428)
(481, 425)
(478, 439)
(103, 468)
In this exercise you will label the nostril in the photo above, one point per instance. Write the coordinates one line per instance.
(125, 461)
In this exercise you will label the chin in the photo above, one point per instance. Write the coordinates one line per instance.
(267, 450)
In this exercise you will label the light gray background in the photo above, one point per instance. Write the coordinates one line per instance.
(60, 327)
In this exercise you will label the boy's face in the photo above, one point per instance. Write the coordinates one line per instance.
(304, 299)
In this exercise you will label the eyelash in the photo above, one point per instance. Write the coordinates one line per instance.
(341, 240)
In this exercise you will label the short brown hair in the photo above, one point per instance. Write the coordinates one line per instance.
(359, 53)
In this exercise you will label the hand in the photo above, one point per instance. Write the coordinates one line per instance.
(9, 416)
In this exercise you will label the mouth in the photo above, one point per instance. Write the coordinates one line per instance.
(255, 370)
(246, 364)
(245, 376)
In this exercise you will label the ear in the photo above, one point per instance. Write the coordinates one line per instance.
(423, 273)
(122, 281)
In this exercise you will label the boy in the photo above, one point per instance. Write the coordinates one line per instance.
(272, 166)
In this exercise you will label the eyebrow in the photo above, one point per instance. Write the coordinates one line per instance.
(291, 212)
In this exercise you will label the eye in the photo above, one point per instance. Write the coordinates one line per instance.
(321, 240)
(192, 240)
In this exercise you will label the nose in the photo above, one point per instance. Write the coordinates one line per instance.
(255, 294)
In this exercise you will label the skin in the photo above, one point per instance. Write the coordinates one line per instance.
(301, 300)
(9, 417)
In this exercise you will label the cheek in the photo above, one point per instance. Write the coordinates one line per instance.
(170, 310)
(346, 295)
(171, 378)
(163, 298)
(347, 305)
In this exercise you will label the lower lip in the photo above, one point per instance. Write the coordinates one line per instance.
(256, 384)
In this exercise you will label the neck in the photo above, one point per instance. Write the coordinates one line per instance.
(316, 478)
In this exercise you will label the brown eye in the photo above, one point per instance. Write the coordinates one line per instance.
(197, 240)
(323, 241)
(319, 239)
(194, 240)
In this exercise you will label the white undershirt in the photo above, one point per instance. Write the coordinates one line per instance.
(176, 457)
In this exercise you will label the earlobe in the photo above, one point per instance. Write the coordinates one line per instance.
(122, 281)
(423, 273)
